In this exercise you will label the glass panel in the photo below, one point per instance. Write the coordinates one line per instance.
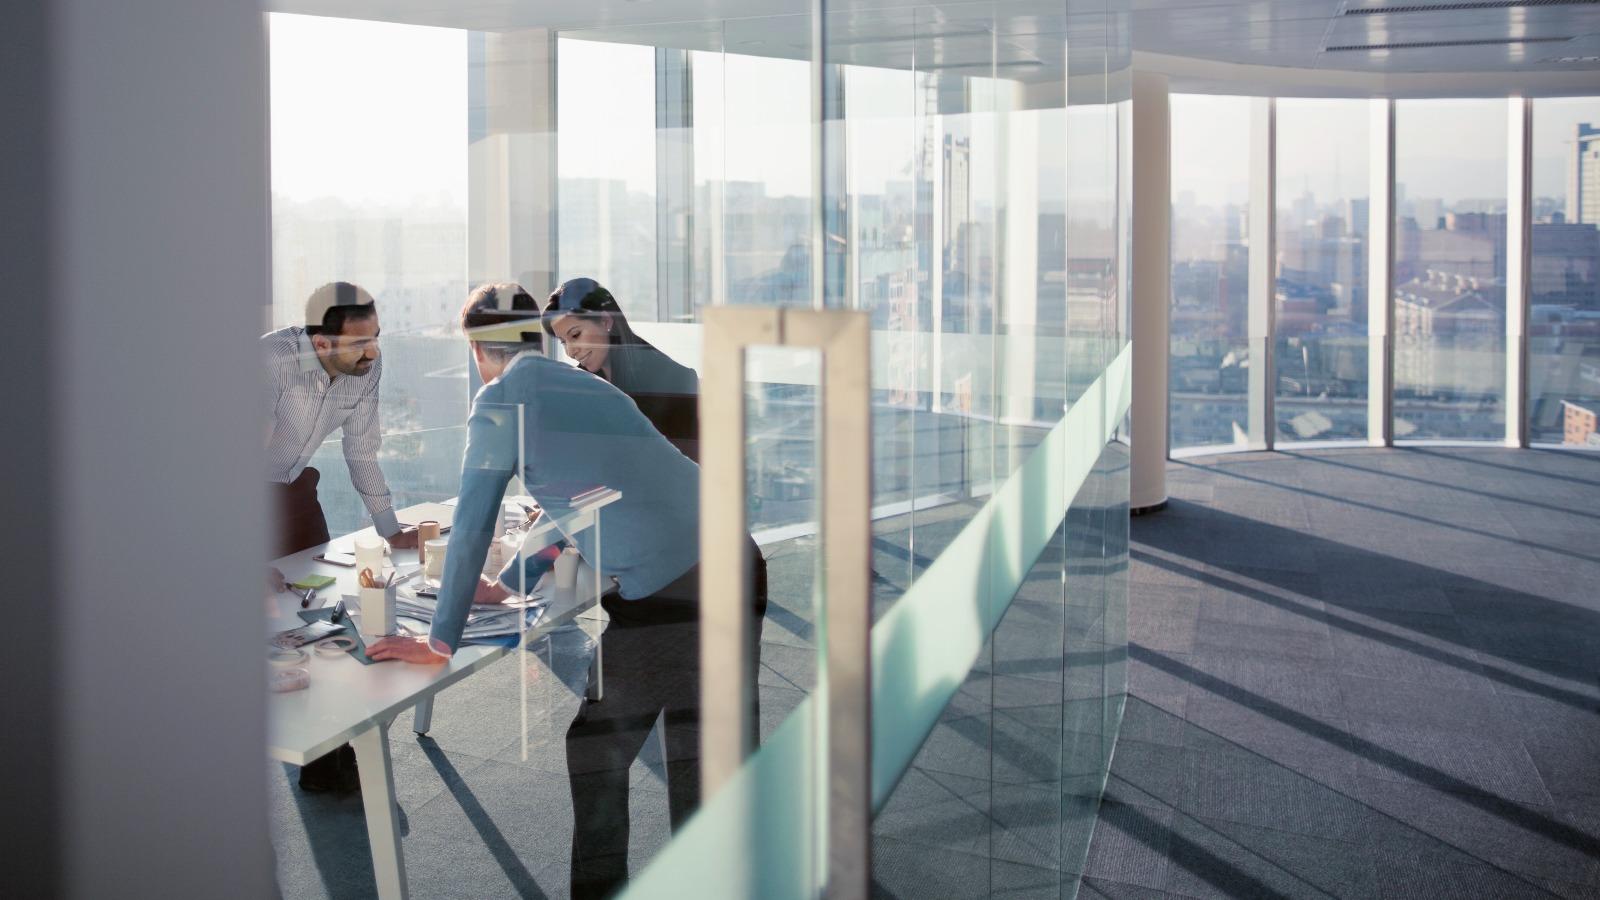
(1450, 270)
(1321, 297)
(1564, 311)
(394, 223)
(1210, 272)
(606, 142)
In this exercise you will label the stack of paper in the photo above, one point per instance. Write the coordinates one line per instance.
(497, 620)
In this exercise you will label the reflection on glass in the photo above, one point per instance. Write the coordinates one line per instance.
(1210, 360)
(1321, 295)
(1450, 270)
(1564, 291)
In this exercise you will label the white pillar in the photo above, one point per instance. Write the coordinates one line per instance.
(512, 225)
(1380, 276)
(135, 244)
(1519, 225)
(1261, 303)
(1152, 276)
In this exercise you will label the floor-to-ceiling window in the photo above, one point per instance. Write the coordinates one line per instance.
(1564, 275)
(1320, 299)
(1210, 362)
(369, 185)
(1452, 353)
(1450, 270)
(606, 153)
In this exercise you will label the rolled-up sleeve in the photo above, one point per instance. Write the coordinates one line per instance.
(363, 435)
(486, 469)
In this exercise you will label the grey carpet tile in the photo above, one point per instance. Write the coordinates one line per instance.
(1262, 641)
(1306, 686)
(1296, 742)
(1448, 761)
(1568, 769)
(1146, 774)
(1420, 648)
(1427, 599)
(1131, 845)
(1404, 703)
(1530, 840)
(1262, 609)
(910, 871)
(1551, 720)
(1252, 790)
(1105, 889)
(1574, 682)
(1405, 876)
(1504, 636)
(1154, 719)
(1220, 860)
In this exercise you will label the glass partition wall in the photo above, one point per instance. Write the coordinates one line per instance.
(1486, 243)
(957, 177)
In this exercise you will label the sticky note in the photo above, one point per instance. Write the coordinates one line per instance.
(313, 582)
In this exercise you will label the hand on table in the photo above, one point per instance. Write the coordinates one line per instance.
(276, 583)
(405, 649)
(489, 591)
(404, 539)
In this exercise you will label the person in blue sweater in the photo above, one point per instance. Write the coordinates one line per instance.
(579, 432)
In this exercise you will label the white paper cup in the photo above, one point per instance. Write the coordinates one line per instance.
(369, 555)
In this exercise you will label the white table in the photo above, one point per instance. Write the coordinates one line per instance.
(348, 702)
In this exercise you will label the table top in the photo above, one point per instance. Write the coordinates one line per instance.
(346, 697)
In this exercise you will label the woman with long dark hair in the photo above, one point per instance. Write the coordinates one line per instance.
(586, 319)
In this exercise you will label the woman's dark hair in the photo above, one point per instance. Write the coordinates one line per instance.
(588, 299)
(502, 303)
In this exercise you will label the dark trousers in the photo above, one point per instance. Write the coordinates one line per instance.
(300, 523)
(652, 667)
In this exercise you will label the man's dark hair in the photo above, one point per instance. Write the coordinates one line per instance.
(503, 303)
(334, 320)
(343, 303)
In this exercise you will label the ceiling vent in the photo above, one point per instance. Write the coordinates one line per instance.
(1399, 8)
(1421, 45)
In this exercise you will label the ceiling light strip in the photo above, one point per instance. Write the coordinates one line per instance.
(1423, 45)
(1398, 9)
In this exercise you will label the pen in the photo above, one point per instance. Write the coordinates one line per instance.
(305, 598)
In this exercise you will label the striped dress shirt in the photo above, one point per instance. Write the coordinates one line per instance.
(305, 406)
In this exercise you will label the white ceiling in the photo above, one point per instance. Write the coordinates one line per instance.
(1030, 37)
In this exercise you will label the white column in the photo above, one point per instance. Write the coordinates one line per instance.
(674, 186)
(1152, 277)
(1380, 276)
(1263, 271)
(1519, 233)
(511, 164)
(1019, 259)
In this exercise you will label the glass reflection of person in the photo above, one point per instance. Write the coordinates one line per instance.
(578, 432)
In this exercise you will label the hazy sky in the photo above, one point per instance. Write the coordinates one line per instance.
(368, 112)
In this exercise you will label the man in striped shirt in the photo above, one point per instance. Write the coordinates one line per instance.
(320, 378)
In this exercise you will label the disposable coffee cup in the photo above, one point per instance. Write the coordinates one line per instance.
(433, 560)
(426, 531)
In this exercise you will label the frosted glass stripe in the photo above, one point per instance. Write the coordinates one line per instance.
(757, 837)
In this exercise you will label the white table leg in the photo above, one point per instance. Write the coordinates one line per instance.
(383, 814)
(422, 719)
(596, 689)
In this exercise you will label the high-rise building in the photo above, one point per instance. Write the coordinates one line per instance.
(1583, 174)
